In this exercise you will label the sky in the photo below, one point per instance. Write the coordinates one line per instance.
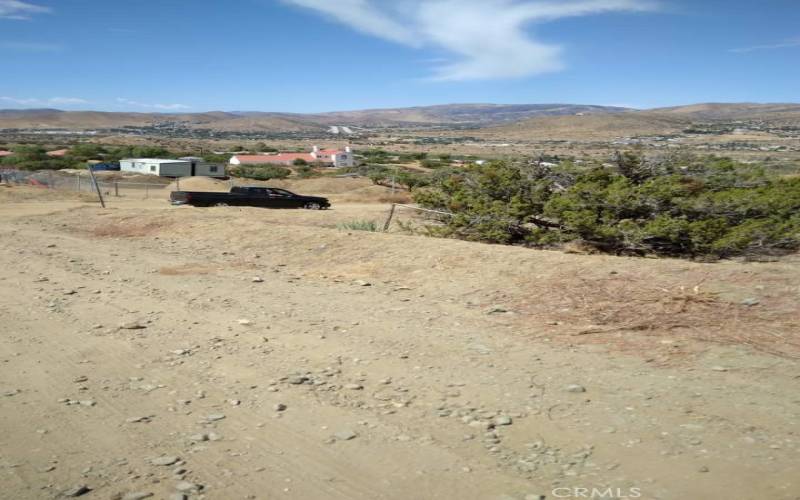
(328, 55)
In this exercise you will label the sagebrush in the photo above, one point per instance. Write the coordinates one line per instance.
(680, 207)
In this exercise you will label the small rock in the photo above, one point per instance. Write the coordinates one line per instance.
(575, 388)
(186, 486)
(164, 461)
(345, 435)
(750, 301)
(77, 491)
(137, 495)
(719, 368)
(132, 325)
(297, 379)
(353, 387)
(480, 424)
(496, 310)
(82, 378)
(178, 496)
(362, 283)
(245, 322)
(257, 279)
(703, 469)
(136, 420)
(87, 402)
(502, 420)
(215, 417)
(279, 407)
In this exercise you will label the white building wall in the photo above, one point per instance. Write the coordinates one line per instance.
(146, 166)
(344, 159)
(209, 170)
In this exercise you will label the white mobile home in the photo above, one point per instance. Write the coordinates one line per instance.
(201, 168)
(184, 167)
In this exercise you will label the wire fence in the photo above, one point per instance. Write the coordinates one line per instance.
(83, 183)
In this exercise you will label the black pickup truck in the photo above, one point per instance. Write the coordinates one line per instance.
(249, 196)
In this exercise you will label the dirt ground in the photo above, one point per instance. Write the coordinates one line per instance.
(228, 353)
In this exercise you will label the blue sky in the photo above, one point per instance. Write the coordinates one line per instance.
(327, 55)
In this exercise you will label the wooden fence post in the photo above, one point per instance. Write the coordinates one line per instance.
(389, 219)
(116, 189)
(97, 187)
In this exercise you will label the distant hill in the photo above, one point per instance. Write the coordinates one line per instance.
(473, 114)
(479, 114)
(661, 121)
(742, 111)
(511, 120)
(597, 127)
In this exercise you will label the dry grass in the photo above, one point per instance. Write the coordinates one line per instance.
(635, 315)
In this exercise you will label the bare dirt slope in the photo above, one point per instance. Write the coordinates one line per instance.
(137, 355)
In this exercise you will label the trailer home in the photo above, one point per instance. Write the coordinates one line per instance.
(183, 167)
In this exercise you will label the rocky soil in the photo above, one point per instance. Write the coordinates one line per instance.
(159, 352)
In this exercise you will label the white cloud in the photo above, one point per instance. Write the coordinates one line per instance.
(165, 107)
(16, 9)
(792, 42)
(485, 39)
(364, 16)
(33, 101)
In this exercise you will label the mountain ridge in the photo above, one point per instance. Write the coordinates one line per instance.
(476, 115)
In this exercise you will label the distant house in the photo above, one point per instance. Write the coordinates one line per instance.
(4, 153)
(326, 157)
(58, 153)
(184, 167)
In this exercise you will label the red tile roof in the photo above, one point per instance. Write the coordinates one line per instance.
(278, 158)
(57, 152)
(5, 153)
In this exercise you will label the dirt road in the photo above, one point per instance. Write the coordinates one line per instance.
(138, 355)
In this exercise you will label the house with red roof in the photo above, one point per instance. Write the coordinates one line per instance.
(324, 157)
(58, 153)
(4, 153)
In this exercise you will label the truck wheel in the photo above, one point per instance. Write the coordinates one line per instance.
(313, 206)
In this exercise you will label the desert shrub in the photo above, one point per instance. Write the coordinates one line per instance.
(33, 158)
(86, 151)
(431, 163)
(118, 153)
(676, 206)
(376, 155)
(411, 180)
(221, 159)
(358, 225)
(306, 172)
(261, 172)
